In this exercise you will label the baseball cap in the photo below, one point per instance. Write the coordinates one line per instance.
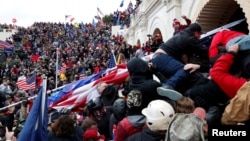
(195, 27)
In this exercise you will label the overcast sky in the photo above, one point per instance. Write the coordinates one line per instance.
(27, 12)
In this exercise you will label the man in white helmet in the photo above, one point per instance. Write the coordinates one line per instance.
(159, 114)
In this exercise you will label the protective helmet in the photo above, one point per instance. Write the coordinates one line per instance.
(95, 104)
(159, 114)
(65, 111)
(119, 108)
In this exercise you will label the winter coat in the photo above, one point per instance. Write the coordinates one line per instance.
(129, 126)
(183, 43)
(220, 75)
(141, 78)
(237, 88)
(146, 135)
(221, 38)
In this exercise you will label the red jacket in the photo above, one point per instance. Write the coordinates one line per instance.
(39, 81)
(125, 129)
(69, 64)
(219, 73)
(222, 37)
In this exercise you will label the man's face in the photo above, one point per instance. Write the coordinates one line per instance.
(176, 26)
(197, 35)
(99, 113)
(6, 82)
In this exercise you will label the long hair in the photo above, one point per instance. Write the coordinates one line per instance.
(64, 126)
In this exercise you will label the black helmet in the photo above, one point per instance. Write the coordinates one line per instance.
(119, 108)
(95, 104)
(65, 111)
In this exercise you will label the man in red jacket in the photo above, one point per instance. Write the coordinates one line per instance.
(235, 87)
(227, 38)
(220, 74)
(178, 27)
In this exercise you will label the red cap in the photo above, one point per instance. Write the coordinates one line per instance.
(200, 112)
(92, 134)
(175, 22)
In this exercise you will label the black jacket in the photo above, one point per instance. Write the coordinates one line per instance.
(186, 43)
(146, 135)
(141, 78)
(183, 43)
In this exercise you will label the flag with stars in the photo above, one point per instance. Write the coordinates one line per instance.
(112, 61)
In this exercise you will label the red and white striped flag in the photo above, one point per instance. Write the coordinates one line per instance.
(69, 18)
(61, 69)
(82, 76)
(79, 96)
(24, 83)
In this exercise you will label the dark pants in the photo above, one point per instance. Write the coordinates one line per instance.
(206, 93)
(170, 68)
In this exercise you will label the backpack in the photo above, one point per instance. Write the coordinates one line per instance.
(238, 110)
(185, 127)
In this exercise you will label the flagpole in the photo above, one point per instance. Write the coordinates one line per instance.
(19, 102)
(56, 64)
(44, 94)
(31, 98)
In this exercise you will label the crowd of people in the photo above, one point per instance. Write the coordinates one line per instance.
(35, 53)
(196, 87)
(7, 26)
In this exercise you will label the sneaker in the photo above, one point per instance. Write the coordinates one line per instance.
(166, 86)
(169, 93)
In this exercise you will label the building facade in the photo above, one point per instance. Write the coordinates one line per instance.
(156, 16)
(6, 33)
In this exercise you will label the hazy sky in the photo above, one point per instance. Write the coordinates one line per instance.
(27, 12)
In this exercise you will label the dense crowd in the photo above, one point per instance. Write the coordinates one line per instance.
(35, 52)
(197, 87)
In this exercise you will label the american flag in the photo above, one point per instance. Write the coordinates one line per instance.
(82, 74)
(61, 69)
(6, 47)
(24, 83)
(67, 17)
(79, 96)
(99, 11)
(112, 61)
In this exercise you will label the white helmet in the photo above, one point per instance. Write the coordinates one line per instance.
(159, 114)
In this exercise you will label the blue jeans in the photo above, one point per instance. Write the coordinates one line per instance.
(170, 68)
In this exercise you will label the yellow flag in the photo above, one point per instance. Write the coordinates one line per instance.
(76, 25)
